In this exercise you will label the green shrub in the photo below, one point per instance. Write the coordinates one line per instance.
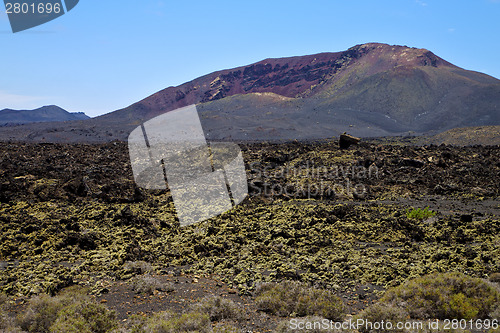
(43, 310)
(138, 267)
(495, 277)
(379, 312)
(121, 329)
(70, 311)
(84, 317)
(7, 325)
(290, 298)
(219, 308)
(40, 314)
(445, 295)
(310, 324)
(227, 328)
(495, 313)
(419, 213)
(4, 319)
(382, 312)
(10, 328)
(73, 294)
(147, 284)
(3, 300)
(169, 322)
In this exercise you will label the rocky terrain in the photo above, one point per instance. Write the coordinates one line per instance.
(344, 221)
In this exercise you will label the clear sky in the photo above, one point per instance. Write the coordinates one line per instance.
(105, 55)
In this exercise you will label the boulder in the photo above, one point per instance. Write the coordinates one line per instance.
(347, 140)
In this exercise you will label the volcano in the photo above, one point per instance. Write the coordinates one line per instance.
(368, 90)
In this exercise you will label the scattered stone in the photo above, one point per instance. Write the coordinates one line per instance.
(413, 163)
(347, 140)
(466, 218)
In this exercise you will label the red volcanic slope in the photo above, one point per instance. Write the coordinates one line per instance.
(301, 76)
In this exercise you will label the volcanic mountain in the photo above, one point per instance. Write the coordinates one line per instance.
(369, 90)
(44, 114)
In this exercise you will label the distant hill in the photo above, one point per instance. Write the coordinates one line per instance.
(466, 136)
(48, 113)
(369, 90)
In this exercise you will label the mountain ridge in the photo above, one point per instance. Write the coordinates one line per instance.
(311, 69)
(47, 113)
(371, 89)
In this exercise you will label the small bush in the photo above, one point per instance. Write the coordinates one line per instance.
(41, 313)
(7, 325)
(4, 318)
(388, 313)
(169, 322)
(70, 311)
(495, 314)
(310, 324)
(138, 267)
(445, 295)
(419, 213)
(11, 328)
(382, 312)
(84, 317)
(495, 277)
(121, 329)
(147, 284)
(219, 308)
(291, 298)
(227, 328)
(3, 300)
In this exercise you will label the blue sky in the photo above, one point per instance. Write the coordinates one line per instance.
(106, 55)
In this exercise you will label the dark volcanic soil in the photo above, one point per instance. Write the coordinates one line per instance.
(334, 219)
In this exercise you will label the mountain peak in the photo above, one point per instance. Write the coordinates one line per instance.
(401, 54)
(45, 113)
(292, 77)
